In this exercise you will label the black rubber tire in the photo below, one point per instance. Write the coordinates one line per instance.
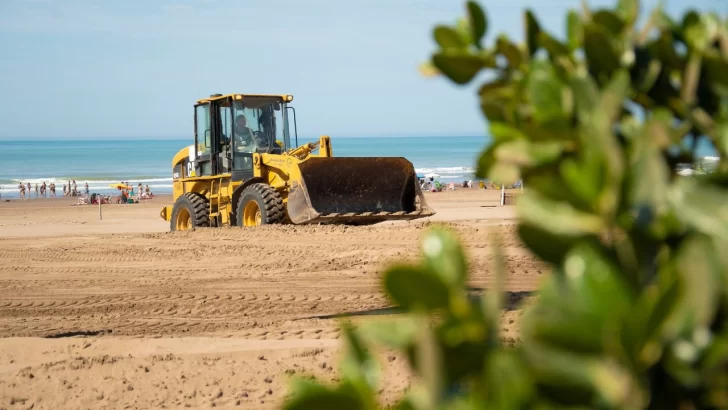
(196, 205)
(272, 210)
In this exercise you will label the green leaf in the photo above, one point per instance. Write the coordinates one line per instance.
(716, 67)
(720, 137)
(428, 361)
(447, 37)
(359, 366)
(463, 27)
(665, 50)
(610, 21)
(584, 180)
(478, 21)
(716, 356)
(546, 92)
(465, 345)
(398, 333)
(444, 256)
(503, 173)
(629, 9)
(649, 175)
(651, 74)
(552, 45)
(414, 288)
(599, 146)
(459, 67)
(697, 32)
(700, 273)
(505, 47)
(508, 384)
(502, 132)
(525, 154)
(647, 327)
(586, 96)
(533, 28)
(546, 245)
(701, 206)
(574, 30)
(568, 378)
(486, 161)
(599, 50)
(310, 395)
(590, 293)
(406, 404)
(560, 218)
(614, 95)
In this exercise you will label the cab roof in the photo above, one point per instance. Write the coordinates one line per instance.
(215, 97)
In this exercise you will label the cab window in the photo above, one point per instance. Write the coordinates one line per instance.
(202, 129)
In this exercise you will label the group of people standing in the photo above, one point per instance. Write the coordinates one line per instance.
(42, 190)
(71, 189)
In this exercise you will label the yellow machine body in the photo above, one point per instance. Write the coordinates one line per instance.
(296, 185)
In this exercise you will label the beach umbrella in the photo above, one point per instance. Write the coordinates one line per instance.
(120, 186)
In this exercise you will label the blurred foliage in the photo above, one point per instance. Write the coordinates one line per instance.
(634, 313)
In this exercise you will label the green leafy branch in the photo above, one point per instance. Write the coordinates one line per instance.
(634, 313)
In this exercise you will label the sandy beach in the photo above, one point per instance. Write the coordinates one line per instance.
(121, 313)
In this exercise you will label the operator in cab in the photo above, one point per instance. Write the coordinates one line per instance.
(243, 134)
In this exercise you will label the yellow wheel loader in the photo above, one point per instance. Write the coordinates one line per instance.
(243, 170)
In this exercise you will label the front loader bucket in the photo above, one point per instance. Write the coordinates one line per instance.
(356, 190)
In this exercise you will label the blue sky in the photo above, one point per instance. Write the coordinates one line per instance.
(133, 69)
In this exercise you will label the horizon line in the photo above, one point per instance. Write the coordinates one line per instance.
(157, 138)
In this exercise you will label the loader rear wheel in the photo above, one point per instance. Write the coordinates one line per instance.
(260, 204)
(190, 211)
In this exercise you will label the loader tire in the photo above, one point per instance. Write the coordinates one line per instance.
(260, 204)
(190, 211)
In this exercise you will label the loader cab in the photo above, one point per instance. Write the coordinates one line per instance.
(229, 129)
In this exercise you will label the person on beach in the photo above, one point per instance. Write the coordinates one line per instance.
(75, 188)
(140, 189)
(21, 188)
(53, 189)
(86, 188)
(146, 190)
(28, 188)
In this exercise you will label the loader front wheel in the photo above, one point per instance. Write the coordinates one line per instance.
(190, 211)
(260, 204)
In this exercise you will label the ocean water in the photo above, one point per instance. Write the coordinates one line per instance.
(100, 163)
